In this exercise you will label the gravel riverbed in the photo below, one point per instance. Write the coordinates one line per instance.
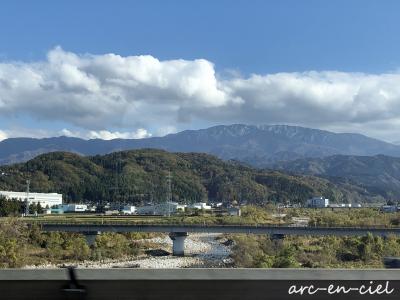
(202, 250)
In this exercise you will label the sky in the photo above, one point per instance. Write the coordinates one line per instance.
(134, 69)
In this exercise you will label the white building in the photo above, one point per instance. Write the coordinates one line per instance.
(200, 205)
(71, 207)
(343, 205)
(45, 199)
(317, 202)
(129, 210)
(181, 207)
(217, 204)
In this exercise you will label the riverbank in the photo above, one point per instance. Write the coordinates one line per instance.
(202, 250)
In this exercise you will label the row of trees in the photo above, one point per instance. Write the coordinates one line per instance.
(345, 217)
(314, 252)
(26, 245)
(10, 207)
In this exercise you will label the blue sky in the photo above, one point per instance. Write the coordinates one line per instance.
(240, 40)
(249, 36)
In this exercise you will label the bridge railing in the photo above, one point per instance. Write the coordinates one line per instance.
(144, 224)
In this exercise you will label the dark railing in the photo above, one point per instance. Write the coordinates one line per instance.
(123, 222)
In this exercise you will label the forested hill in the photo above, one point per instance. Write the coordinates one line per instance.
(141, 175)
(378, 173)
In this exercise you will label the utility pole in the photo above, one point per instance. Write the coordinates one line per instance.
(169, 195)
(117, 197)
(28, 182)
(115, 190)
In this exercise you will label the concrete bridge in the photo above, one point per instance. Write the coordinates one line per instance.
(178, 233)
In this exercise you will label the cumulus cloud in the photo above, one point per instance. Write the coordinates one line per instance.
(105, 134)
(95, 92)
(98, 92)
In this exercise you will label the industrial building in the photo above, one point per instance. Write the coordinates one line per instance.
(166, 208)
(45, 199)
(317, 202)
(71, 207)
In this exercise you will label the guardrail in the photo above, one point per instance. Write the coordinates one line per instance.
(111, 223)
(196, 284)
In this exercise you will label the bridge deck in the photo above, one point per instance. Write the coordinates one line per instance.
(202, 274)
(248, 229)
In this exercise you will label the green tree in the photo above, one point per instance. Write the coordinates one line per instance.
(54, 244)
(76, 247)
(32, 208)
(111, 245)
(9, 207)
(39, 208)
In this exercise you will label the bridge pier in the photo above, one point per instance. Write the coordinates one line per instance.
(178, 243)
(91, 237)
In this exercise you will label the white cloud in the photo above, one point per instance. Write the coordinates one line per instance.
(98, 92)
(69, 133)
(3, 135)
(83, 134)
(26, 132)
(107, 135)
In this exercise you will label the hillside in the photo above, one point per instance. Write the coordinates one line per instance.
(140, 176)
(378, 174)
(258, 146)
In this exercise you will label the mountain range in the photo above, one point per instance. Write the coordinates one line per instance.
(365, 167)
(259, 146)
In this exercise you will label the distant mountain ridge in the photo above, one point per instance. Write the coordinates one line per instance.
(378, 174)
(259, 146)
